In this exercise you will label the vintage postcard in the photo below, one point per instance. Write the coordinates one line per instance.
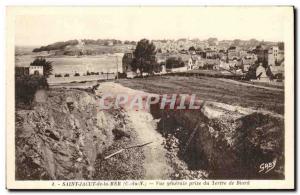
(178, 98)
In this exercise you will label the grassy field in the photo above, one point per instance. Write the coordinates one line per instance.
(71, 64)
(212, 89)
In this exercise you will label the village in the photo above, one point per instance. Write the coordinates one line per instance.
(258, 61)
(254, 60)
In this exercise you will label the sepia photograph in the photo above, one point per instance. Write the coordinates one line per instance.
(154, 97)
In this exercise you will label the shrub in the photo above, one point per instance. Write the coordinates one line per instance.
(26, 86)
(173, 62)
(77, 74)
(57, 75)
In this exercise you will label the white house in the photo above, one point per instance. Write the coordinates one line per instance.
(163, 69)
(261, 73)
(194, 62)
(224, 65)
(36, 70)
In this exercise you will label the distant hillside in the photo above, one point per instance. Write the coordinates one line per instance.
(56, 46)
(87, 47)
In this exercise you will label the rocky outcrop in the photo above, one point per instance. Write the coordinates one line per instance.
(229, 141)
(62, 136)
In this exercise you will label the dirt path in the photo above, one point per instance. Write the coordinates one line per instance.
(155, 163)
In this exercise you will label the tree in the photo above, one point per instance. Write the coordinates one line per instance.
(144, 57)
(173, 62)
(47, 65)
(192, 48)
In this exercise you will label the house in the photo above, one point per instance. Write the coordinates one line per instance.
(277, 70)
(246, 67)
(21, 71)
(273, 55)
(131, 74)
(216, 67)
(223, 65)
(163, 69)
(36, 70)
(194, 62)
(235, 63)
(233, 53)
(222, 55)
(261, 73)
(211, 54)
(180, 69)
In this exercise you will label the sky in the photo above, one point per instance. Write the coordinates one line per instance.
(41, 26)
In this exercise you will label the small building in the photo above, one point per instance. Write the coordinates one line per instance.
(211, 54)
(163, 69)
(262, 54)
(277, 70)
(246, 67)
(180, 69)
(222, 55)
(131, 74)
(210, 64)
(261, 73)
(36, 70)
(248, 61)
(235, 63)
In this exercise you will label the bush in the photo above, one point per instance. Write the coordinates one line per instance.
(26, 86)
(57, 75)
(67, 75)
(77, 74)
(173, 62)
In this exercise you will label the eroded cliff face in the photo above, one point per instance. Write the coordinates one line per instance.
(62, 136)
(228, 141)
